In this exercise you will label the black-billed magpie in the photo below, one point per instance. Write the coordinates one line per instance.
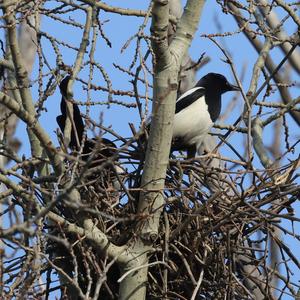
(196, 111)
(107, 147)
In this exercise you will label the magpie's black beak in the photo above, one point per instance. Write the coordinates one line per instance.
(232, 87)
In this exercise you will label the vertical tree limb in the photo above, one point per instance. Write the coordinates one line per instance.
(167, 65)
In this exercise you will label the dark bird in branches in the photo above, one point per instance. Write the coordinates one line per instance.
(106, 149)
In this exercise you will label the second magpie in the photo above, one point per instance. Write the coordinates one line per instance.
(197, 110)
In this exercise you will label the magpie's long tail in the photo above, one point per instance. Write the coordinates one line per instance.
(61, 120)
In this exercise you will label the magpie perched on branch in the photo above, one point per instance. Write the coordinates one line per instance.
(196, 111)
(107, 147)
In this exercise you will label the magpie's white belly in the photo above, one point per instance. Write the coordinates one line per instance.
(192, 123)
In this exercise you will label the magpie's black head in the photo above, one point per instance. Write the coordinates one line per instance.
(105, 148)
(216, 83)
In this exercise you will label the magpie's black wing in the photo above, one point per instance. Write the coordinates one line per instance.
(189, 98)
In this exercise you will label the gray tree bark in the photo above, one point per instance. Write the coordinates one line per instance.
(167, 61)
